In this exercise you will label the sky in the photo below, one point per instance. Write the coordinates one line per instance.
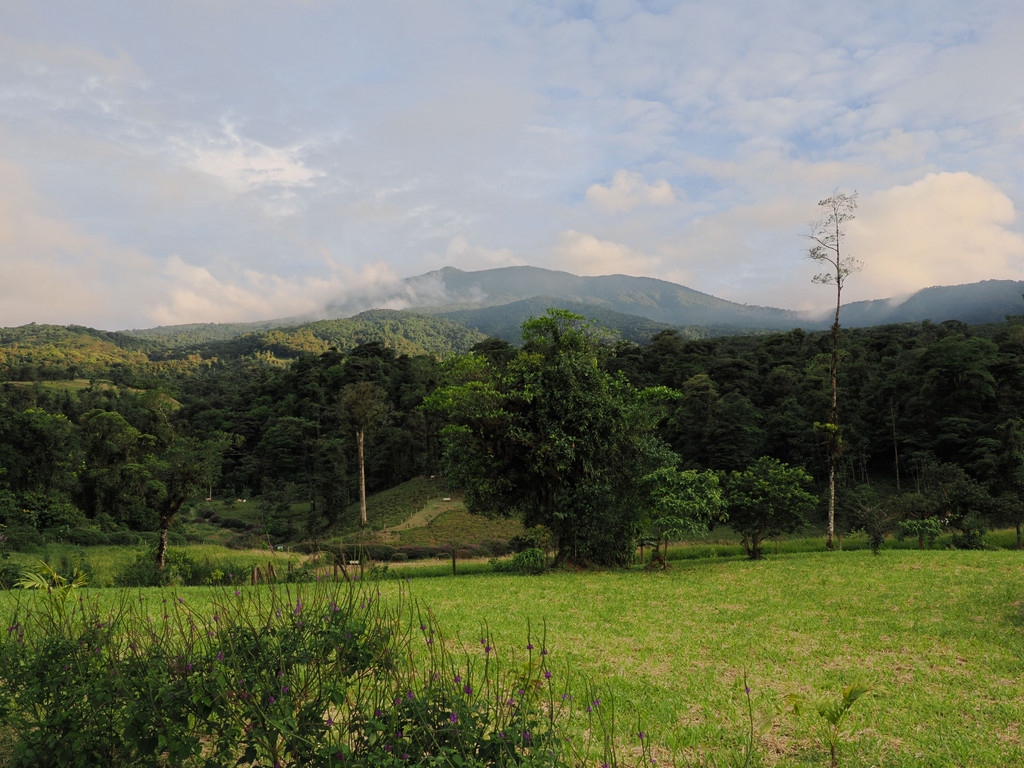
(183, 161)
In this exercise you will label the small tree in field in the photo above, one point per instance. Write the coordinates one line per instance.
(683, 502)
(828, 237)
(768, 498)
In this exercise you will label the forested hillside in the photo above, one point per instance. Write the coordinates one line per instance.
(929, 410)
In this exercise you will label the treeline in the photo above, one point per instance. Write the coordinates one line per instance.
(926, 409)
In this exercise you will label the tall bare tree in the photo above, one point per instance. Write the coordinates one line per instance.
(365, 407)
(828, 249)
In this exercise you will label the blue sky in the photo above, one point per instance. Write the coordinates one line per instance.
(216, 161)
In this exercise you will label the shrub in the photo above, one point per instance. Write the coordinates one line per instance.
(86, 537)
(414, 552)
(537, 537)
(22, 538)
(220, 689)
(122, 538)
(496, 547)
(529, 561)
(179, 568)
(399, 557)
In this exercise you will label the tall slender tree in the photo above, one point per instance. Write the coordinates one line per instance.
(828, 249)
(365, 406)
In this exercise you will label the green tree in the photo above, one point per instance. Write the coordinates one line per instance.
(683, 502)
(769, 498)
(556, 440)
(828, 237)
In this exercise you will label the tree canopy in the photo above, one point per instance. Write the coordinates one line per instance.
(557, 440)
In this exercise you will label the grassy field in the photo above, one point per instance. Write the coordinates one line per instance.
(940, 634)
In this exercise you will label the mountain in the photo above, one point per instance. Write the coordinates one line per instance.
(989, 301)
(452, 289)
(496, 301)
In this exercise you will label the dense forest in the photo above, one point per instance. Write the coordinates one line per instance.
(103, 435)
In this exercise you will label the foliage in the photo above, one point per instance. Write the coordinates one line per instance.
(530, 561)
(322, 676)
(555, 440)
(683, 503)
(44, 576)
(833, 714)
(768, 498)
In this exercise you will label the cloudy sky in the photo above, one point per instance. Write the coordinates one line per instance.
(223, 160)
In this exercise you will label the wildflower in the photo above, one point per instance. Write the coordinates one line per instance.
(641, 735)
(468, 689)
(547, 674)
(454, 717)
(330, 722)
(271, 699)
(220, 656)
(458, 679)
(529, 646)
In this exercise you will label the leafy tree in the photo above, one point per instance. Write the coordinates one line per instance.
(172, 476)
(769, 498)
(556, 440)
(828, 236)
(682, 502)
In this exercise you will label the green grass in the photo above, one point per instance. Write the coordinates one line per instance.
(940, 633)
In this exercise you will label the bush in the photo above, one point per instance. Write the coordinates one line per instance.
(399, 557)
(180, 568)
(86, 537)
(123, 538)
(142, 687)
(414, 552)
(496, 547)
(528, 562)
(537, 537)
(22, 538)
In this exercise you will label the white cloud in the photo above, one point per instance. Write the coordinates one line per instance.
(584, 254)
(945, 229)
(243, 164)
(628, 190)
(194, 294)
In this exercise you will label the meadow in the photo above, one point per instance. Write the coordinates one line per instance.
(939, 636)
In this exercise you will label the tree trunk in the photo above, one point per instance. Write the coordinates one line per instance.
(161, 547)
(362, 481)
(829, 544)
(895, 445)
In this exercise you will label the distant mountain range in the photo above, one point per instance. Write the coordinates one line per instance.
(447, 311)
(496, 302)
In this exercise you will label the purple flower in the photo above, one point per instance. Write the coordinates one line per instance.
(458, 679)
(641, 735)
(547, 674)
(529, 646)
(454, 717)
(468, 689)
(330, 722)
(271, 699)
